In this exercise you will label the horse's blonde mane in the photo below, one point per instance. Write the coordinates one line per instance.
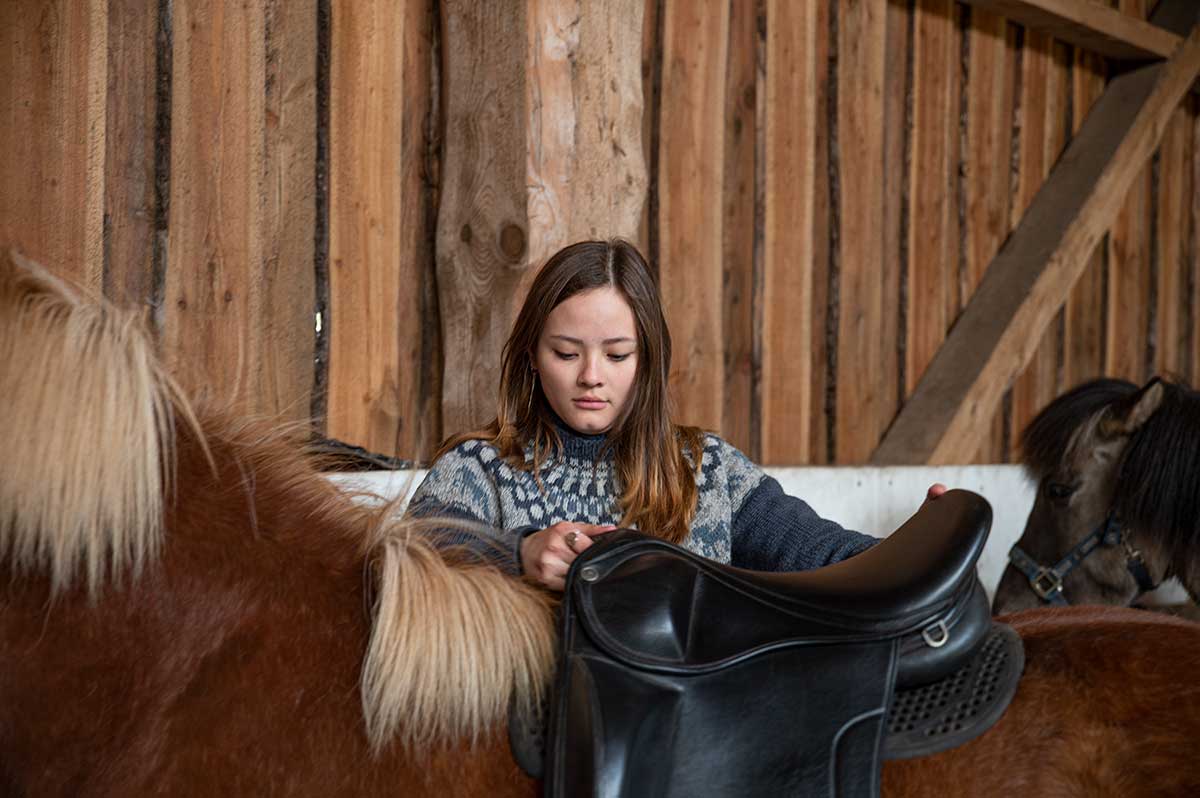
(88, 419)
(452, 645)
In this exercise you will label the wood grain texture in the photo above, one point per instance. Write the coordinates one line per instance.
(482, 227)
(987, 160)
(788, 235)
(1031, 277)
(822, 378)
(129, 172)
(289, 206)
(54, 95)
(1193, 358)
(1046, 94)
(651, 75)
(1089, 24)
(865, 387)
(1129, 254)
(1083, 345)
(932, 240)
(895, 188)
(213, 311)
(738, 226)
(690, 179)
(586, 166)
(1172, 227)
(379, 100)
(1194, 303)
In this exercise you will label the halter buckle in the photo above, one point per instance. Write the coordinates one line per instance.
(1046, 583)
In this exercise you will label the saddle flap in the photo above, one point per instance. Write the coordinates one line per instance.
(659, 608)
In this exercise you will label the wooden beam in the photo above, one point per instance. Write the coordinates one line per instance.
(1089, 24)
(1032, 276)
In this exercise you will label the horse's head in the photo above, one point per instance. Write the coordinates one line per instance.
(1075, 547)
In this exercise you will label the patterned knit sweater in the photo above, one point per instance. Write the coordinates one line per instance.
(742, 517)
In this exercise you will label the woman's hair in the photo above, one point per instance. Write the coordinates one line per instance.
(659, 484)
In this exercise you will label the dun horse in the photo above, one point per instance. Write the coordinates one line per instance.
(190, 609)
(1117, 510)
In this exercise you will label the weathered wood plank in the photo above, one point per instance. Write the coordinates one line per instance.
(1193, 372)
(865, 390)
(289, 205)
(1083, 345)
(738, 225)
(379, 99)
(213, 306)
(1128, 301)
(791, 78)
(895, 186)
(1043, 135)
(587, 172)
(651, 77)
(690, 165)
(932, 243)
(482, 226)
(1174, 187)
(1032, 275)
(54, 63)
(821, 377)
(990, 100)
(1089, 24)
(129, 204)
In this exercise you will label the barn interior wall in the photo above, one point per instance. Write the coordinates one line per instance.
(333, 209)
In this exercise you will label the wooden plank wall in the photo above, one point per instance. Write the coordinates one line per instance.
(334, 209)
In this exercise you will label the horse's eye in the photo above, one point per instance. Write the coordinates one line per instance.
(1057, 490)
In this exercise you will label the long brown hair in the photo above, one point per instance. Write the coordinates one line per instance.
(659, 484)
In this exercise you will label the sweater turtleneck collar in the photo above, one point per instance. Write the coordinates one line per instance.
(577, 445)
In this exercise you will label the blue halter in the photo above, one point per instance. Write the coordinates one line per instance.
(1047, 582)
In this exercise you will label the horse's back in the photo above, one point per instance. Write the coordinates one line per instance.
(1108, 705)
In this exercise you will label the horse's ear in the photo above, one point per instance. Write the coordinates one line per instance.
(1126, 420)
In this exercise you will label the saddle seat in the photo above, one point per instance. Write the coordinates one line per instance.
(680, 676)
(670, 610)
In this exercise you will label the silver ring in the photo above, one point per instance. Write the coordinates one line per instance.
(570, 538)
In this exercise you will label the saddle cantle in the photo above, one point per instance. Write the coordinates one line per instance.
(681, 676)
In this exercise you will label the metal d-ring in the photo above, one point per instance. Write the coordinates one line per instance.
(936, 634)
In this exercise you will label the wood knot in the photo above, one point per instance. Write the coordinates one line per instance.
(512, 241)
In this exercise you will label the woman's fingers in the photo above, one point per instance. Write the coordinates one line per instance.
(548, 554)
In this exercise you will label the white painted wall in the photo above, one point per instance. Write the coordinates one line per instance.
(872, 500)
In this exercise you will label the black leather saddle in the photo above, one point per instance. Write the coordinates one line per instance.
(679, 676)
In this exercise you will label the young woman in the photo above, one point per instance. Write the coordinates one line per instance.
(583, 440)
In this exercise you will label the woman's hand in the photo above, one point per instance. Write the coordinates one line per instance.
(935, 490)
(546, 555)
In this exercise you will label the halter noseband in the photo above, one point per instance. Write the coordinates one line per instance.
(1047, 582)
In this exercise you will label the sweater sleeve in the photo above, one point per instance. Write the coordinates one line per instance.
(459, 488)
(773, 531)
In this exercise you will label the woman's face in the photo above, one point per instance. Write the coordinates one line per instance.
(587, 359)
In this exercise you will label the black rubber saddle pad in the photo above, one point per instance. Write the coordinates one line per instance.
(960, 707)
(920, 721)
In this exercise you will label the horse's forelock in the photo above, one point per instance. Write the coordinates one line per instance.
(1052, 434)
(89, 417)
(1158, 491)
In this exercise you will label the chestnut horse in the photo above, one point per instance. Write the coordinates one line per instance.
(191, 609)
(1117, 509)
